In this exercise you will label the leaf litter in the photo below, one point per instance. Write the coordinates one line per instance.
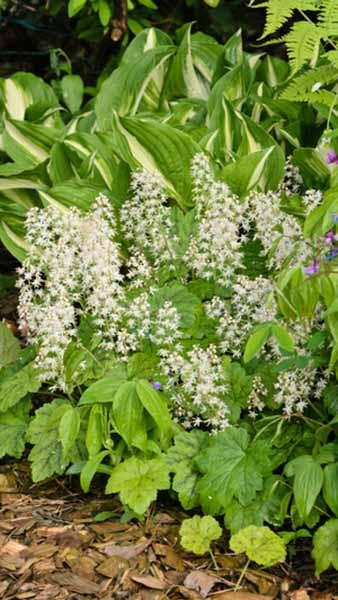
(52, 548)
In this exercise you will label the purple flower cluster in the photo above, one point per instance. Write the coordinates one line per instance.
(332, 158)
(330, 238)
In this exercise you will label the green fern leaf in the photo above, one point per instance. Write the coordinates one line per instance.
(277, 13)
(322, 97)
(302, 44)
(307, 83)
(328, 18)
(332, 56)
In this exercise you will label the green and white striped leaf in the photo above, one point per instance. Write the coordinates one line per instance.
(131, 84)
(159, 149)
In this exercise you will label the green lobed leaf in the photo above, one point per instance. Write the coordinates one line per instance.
(13, 427)
(9, 346)
(23, 382)
(137, 481)
(232, 466)
(198, 532)
(47, 456)
(325, 546)
(180, 459)
(260, 544)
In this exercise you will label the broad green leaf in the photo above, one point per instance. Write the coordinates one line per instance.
(47, 456)
(69, 428)
(9, 346)
(261, 170)
(137, 481)
(103, 390)
(90, 469)
(256, 342)
(95, 432)
(283, 338)
(330, 487)
(13, 426)
(232, 466)
(325, 546)
(23, 382)
(74, 6)
(155, 405)
(28, 142)
(308, 481)
(128, 415)
(197, 533)
(180, 459)
(260, 544)
(72, 92)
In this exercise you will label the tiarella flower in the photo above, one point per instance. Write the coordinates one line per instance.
(332, 157)
(197, 387)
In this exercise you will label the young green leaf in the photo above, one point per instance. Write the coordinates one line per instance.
(72, 91)
(137, 481)
(308, 481)
(155, 405)
(330, 487)
(90, 468)
(325, 546)
(198, 532)
(94, 434)
(128, 415)
(256, 342)
(69, 428)
(260, 544)
(283, 338)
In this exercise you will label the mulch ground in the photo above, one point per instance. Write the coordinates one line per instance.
(52, 548)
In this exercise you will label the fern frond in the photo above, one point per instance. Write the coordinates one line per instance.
(309, 83)
(325, 97)
(277, 13)
(332, 56)
(302, 44)
(328, 17)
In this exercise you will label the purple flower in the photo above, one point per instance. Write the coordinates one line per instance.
(332, 158)
(335, 217)
(332, 254)
(329, 237)
(156, 385)
(312, 269)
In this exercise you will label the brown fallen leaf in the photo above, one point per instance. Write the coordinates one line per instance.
(150, 582)
(300, 595)
(74, 583)
(171, 558)
(126, 552)
(240, 596)
(113, 566)
(200, 581)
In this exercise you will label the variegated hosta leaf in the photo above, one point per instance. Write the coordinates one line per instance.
(186, 77)
(131, 84)
(28, 143)
(159, 149)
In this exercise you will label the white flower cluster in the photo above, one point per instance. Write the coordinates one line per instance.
(292, 180)
(215, 250)
(196, 384)
(252, 302)
(294, 388)
(145, 222)
(256, 397)
(279, 233)
(72, 267)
